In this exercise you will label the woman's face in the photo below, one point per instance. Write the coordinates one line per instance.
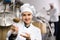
(27, 17)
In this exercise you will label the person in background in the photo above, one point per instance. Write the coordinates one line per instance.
(53, 17)
(25, 30)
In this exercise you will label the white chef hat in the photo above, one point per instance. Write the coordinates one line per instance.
(27, 7)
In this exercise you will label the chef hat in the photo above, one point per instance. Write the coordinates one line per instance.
(27, 7)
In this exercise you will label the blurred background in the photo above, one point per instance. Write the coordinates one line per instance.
(10, 13)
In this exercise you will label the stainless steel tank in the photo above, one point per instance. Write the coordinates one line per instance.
(6, 19)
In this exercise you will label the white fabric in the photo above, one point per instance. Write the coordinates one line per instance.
(34, 32)
(53, 15)
(27, 7)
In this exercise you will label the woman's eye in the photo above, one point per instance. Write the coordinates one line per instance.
(24, 15)
(29, 14)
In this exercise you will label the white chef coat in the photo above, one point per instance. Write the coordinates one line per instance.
(34, 32)
(53, 15)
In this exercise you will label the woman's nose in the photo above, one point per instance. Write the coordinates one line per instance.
(27, 17)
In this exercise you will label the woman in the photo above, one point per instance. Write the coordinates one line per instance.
(25, 30)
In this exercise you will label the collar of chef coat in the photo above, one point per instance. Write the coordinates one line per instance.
(25, 29)
(24, 25)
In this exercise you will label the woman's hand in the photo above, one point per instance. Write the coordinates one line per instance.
(14, 29)
(27, 36)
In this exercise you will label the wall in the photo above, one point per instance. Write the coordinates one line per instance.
(39, 4)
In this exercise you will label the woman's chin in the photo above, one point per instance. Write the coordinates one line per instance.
(27, 22)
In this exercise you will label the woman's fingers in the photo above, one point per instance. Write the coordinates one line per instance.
(26, 35)
(14, 28)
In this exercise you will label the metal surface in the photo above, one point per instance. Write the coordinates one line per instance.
(6, 16)
(6, 19)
